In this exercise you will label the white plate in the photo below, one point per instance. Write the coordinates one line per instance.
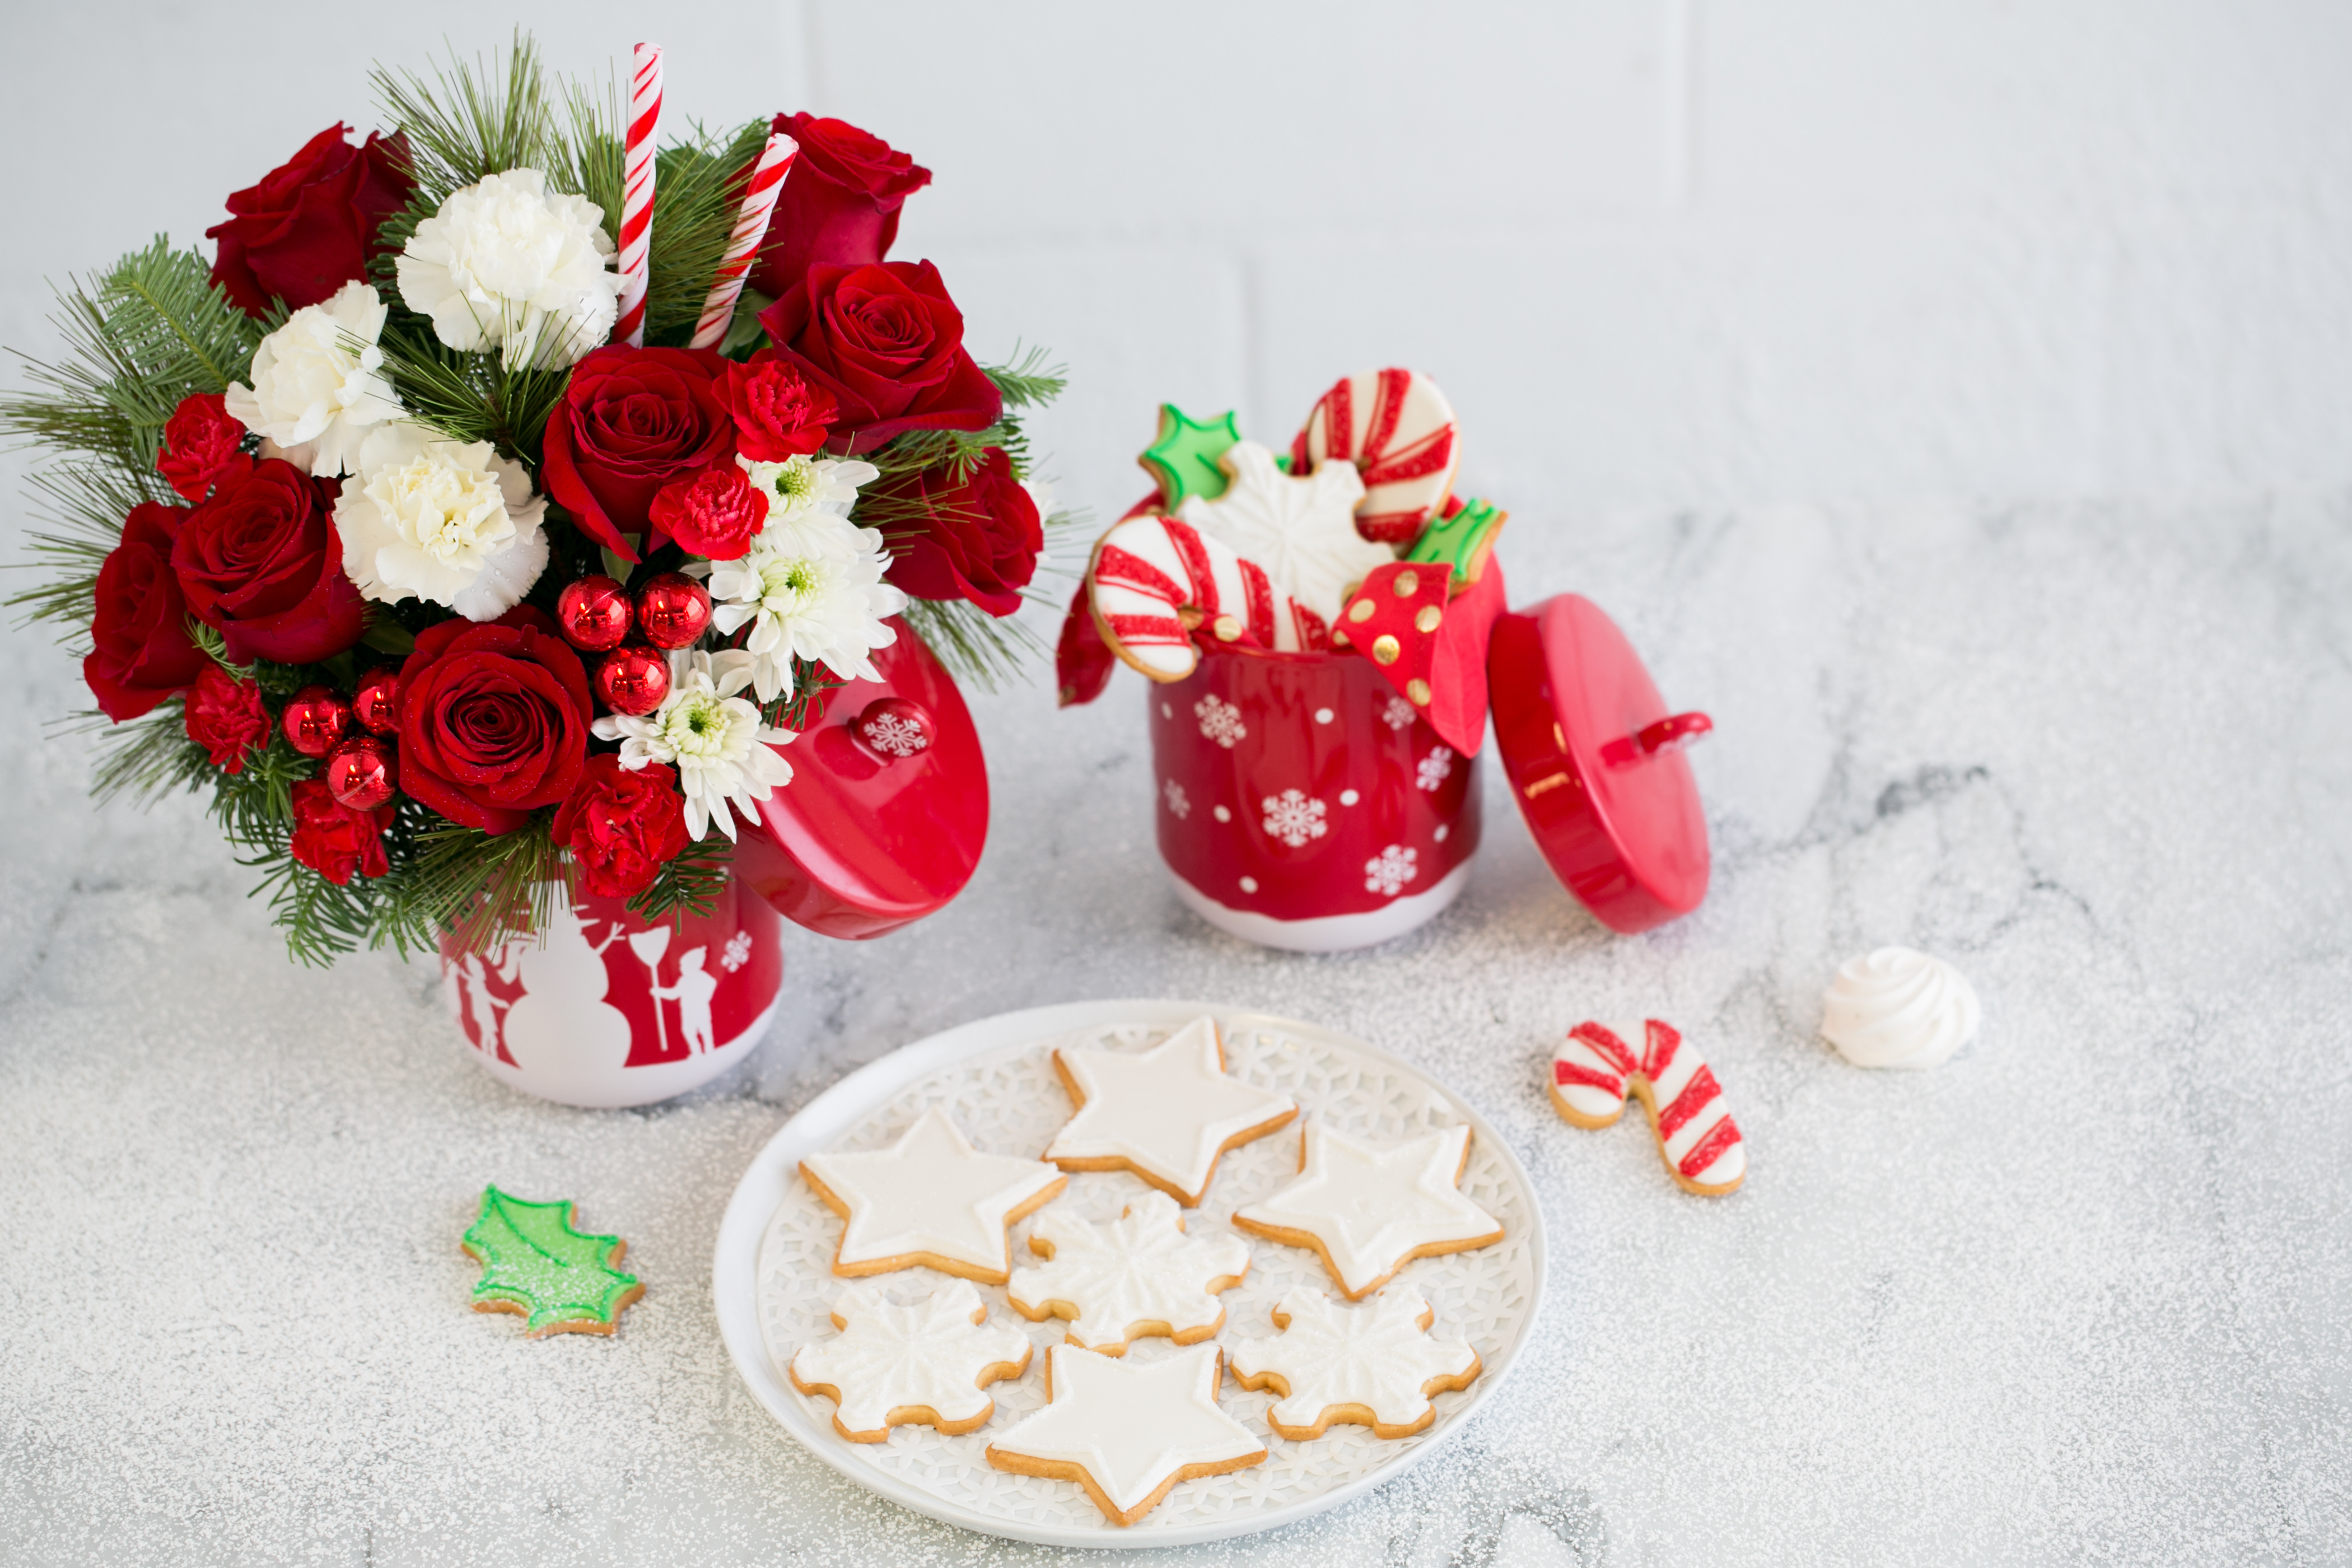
(772, 1283)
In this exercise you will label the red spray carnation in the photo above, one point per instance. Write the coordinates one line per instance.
(334, 840)
(717, 513)
(622, 825)
(778, 414)
(310, 227)
(631, 421)
(261, 561)
(974, 539)
(225, 717)
(839, 204)
(202, 444)
(887, 344)
(493, 719)
(140, 652)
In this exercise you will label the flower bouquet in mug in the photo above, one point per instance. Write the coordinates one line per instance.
(478, 524)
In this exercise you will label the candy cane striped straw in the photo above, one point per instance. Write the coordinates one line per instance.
(750, 228)
(638, 194)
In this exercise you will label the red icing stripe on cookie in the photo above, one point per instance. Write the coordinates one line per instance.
(1659, 1049)
(1569, 1072)
(1695, 1097)
(1608, 1045)
(1117, 566)
(1710, 1148)
(1187, 542)
(1259, 590)
(1148, 629)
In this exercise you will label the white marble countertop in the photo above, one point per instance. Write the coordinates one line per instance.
(2083, 1294)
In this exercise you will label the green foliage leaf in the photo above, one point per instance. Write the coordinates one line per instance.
(535, 1264)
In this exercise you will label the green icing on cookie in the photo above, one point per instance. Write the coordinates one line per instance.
(536, 1265)
(1184, 460)
(1462, 541)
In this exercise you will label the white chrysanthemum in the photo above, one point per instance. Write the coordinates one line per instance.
(319, 385)
(503, 265)
(823, 600)
(445, 521)
(807, 497)
(724, 756)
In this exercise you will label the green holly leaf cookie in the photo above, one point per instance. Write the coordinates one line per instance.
(1462, 541)
(537, 1266)
(1184, 460)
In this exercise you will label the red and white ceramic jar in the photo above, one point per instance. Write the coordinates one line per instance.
(604, 1008)
(1304, 803)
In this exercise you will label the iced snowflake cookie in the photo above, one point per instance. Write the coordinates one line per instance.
(1167, 1114)
(1128, 1431)
(1137, 1276)
(1301, 527)
(1369, 1210)
(1375, 1366)
(929, 1200)
(923, 1365)
(534, 1265)
(1598, 1067)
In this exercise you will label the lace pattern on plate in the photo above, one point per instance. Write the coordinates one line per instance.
(1011, 1102)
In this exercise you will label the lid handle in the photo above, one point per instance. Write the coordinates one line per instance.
(1678, 729)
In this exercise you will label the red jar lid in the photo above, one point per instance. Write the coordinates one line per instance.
(1595, 762)
(887, 808)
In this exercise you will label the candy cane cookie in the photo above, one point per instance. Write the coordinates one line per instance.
(1400, 432)
(1596, 1068)
(1155, 578)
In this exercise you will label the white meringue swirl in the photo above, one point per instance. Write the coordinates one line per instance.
(1898, 1008)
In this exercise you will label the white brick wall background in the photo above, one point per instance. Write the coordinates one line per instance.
(1660, 252)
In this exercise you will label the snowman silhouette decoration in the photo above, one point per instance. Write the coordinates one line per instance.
(561, 1020)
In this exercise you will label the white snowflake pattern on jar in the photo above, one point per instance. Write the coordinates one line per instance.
(1434, 768)
(1180, 804)
(1294, 816)
(1388, 872)
(1398, 713)
(894, 736)
(737, 953)
(1220, 721)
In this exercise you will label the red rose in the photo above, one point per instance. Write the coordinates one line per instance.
(334, 840)
(202, 444)
(717, 513)
(622, 825)
(839, 204)
(631, 421)
(262, 561)
(493, 719)
(976, 540)
(778, 414)
(887, 344)
(310, 227)
(140, 652)
(225, 717)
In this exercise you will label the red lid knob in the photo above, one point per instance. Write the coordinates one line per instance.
(894, 727)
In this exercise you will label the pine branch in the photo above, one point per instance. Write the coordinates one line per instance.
(690, 884)
(470, 396)
(1025, 382)
(986, 650)
(468, 120)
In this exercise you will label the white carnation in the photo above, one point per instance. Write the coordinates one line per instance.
(503, 265)
(445, 521)
(319, 385)
(813, 591)
(724, 756)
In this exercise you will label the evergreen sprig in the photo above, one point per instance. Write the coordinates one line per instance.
(689, 884)
(462, 122)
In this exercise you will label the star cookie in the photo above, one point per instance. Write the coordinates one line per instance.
(921, 1366)
(1302, 531)
(1138, 1276)
(1128, 1431)
(1183, 458)
(1165, 1114)
(1368, 1210)
(930, 1199)
(1375, 1366)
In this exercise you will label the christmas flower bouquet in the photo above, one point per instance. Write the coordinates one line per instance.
(478, 524)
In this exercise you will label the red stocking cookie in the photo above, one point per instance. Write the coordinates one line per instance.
(1600, 1065)
(1399, 431)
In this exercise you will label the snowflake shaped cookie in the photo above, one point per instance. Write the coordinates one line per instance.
(931, 1200)
(1167, 1114)
(1368, 1210)
(926, 1364)
(1302, 531)
(1375, 1366)
(1138, 1276)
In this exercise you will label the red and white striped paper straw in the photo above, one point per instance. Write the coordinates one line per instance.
(638, 194)
(750, 228)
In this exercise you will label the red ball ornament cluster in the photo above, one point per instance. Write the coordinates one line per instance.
(672, 610)
(597, 615)
(376, 703)
(633, 680)
(593, 614)
(363, 771)
(314, 720)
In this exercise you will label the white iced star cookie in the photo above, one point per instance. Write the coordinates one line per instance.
(928, 1200)
(1137, 1276)
(926, 1364)
(1375, 1366)
(1128, 1431)
(1368, 1210)
(1301, 529)
(1165, 1114)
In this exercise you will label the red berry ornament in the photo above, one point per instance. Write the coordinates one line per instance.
(314, 720)
(376, 703)
(593, 614)
(672, 610)
(633, 680)
(362, 772)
